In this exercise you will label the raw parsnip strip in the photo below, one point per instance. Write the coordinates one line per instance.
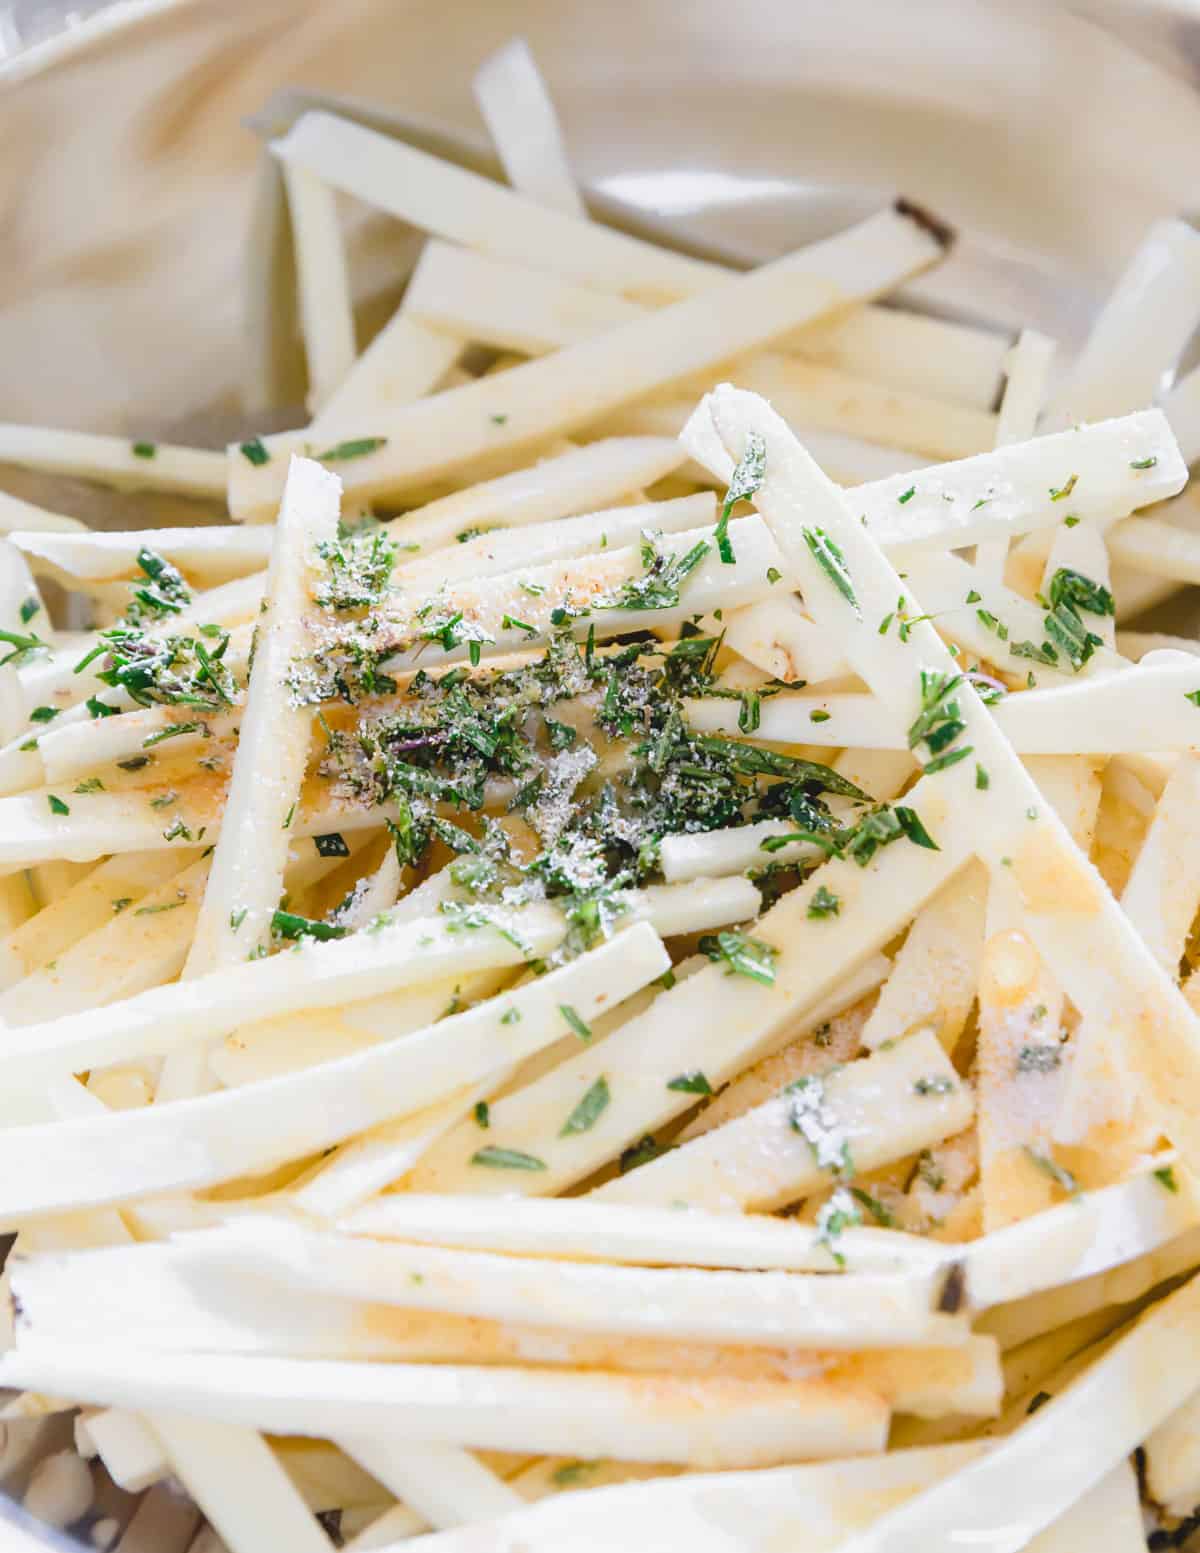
(447, 1486)
(141, 946)
(720, 1423)
(1146, 708)
(440, 198)
(776, 636)
(182, 1298)
(710, 1022)
(281, 1045)
(101, 823)
(1094, 1233)
(519, 113)
(1141, 332)
(113, 460)
(943, 582)
(322, 283)
(217, 1137)
(491, 301)
(505, 550)
(769, 1310)
(833, 400)
(233, 1476)
(71, 750)
(1119, 1289)
(1063, 1450)
(370, 1162)
(24, 515)
(112, 888)
(560, 486)
(138, 948)
(1163, 892)
(1136, 592)
(811, 1507)
(1012, 490)
(132, 1454)
(521, 408)
(1182, 408)
(1156, 549)
(206, 556)
(513, 307)
(1027, 368)
(515, 609)
(246, 878)
(935, 973)
(309, 976)
(884, 1107)
(583, 1229)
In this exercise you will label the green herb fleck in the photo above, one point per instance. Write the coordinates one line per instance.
(57, 806)
(828, 556)
(824, 903)
(255, 452)
(692, 1082)
(586, 1114)
(355, 447)
(577, 1024)
(742, 955)
(506, 1159)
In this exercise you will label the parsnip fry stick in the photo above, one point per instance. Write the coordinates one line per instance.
(588, 1229)
(234, 1477)
(1097, 1232)
(648, 1418)
(112, 888)
(1163, 891)
(246, 878)
(500, 303)
(446, 1485)
(205, 555)
(494, 552)
(890, 1105)
(771, 1310)
(217, 1137)
(113, 461)
(312, 975)
(1057, 1455)
(556, 487)
(934, 975)
(520, 116)
(814, 1507)
(443, 199)
(326, 313)
(1141, 331)
(1142, 709)
(555, 395)
(1028, 369)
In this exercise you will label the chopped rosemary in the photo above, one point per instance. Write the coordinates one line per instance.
(828, 556)
(506, 1159)
(586, 1114)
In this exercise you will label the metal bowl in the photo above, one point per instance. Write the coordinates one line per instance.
(1049, 136)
